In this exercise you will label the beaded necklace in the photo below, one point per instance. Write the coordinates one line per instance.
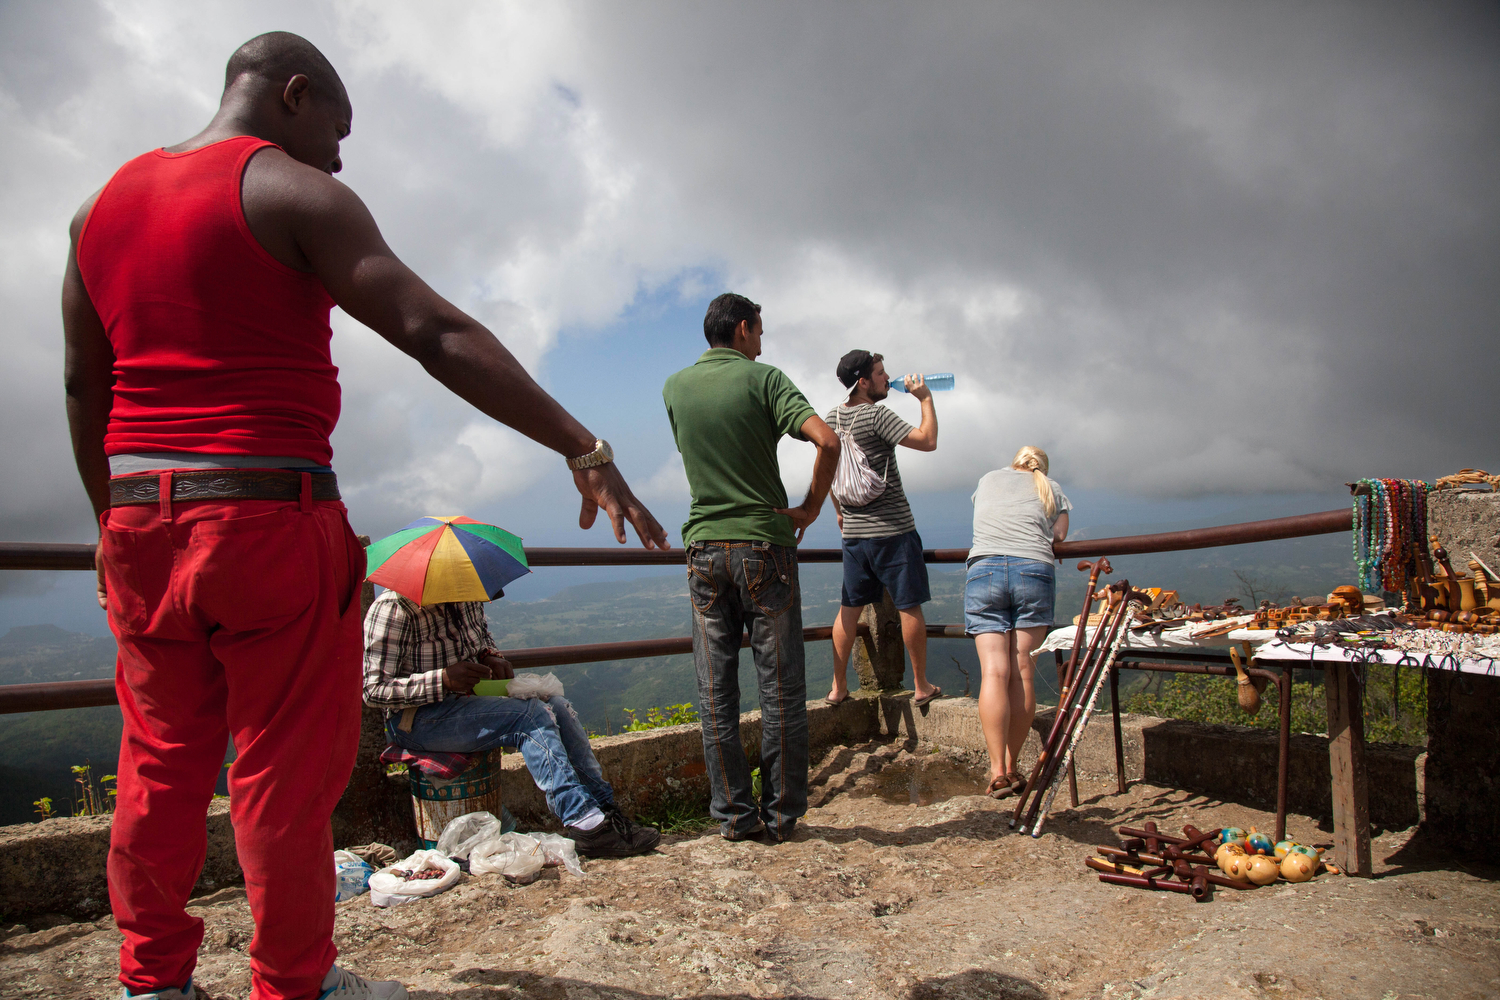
(1390, 517)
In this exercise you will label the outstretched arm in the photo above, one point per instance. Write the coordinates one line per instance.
(342, 244)
(923, 437)
(824, 466)
(88, 381)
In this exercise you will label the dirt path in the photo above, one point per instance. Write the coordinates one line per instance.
(891, 889)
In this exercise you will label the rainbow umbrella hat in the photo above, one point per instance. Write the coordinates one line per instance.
(435, 560)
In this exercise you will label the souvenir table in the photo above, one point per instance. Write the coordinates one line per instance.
(1183, 649)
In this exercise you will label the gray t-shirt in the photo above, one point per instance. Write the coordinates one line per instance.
(877, 430)
(1009, 519)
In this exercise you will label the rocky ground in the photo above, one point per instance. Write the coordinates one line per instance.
(901, 883)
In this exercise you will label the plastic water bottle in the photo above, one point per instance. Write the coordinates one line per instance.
(940, 382)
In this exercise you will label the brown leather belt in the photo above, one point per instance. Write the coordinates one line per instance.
(222, 484)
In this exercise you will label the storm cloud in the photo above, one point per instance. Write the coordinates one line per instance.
(1188, 249)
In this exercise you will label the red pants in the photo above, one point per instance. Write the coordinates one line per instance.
(235, 620)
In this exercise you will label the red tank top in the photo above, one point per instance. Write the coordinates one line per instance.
(219, 347)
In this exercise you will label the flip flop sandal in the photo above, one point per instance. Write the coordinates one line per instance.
(1000, 789)
(937, 693)
(840, 701)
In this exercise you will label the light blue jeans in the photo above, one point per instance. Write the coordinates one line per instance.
(548, 734)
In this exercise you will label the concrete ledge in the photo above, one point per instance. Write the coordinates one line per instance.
(58, 865)
(1233, 763)
(665, 766)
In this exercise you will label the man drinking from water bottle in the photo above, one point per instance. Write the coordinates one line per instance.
(882, 550)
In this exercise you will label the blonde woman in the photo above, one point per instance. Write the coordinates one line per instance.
(1008, 600)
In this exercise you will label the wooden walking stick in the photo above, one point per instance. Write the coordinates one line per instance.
(1083, 693)
(1101, 565)
(1130, 601)
(1064, 702)
(1045, 770)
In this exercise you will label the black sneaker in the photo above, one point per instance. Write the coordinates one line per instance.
(606, 840)
(644, 838)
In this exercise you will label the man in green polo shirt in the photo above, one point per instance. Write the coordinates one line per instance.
(728, 412)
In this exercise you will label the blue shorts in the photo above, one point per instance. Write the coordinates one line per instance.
(1005, 592)
(874, 565)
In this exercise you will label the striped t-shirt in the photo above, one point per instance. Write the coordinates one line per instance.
(877, 430)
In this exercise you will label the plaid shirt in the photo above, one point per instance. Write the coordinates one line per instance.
(407, 646)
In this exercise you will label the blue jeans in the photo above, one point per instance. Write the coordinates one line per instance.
(1003, 593)
(732, 586)
(549, 735)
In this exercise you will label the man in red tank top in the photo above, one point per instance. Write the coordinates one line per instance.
(201, 395)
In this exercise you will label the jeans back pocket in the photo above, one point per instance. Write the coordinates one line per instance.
(771, 584)
(703, 589)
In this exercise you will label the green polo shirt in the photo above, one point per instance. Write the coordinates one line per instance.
(727, 415)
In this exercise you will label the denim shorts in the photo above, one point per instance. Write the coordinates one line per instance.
(1005, 592)
(894, 563)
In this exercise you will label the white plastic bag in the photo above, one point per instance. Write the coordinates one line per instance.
(464, 833)
(559, 851)
(541, 686)
(521, 856)
(515, 855)
(396, 884)
(351, 875)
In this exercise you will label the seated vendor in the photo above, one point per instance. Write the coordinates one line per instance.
(421, 663)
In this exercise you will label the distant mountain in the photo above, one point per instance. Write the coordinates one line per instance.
(31, 654)
(36, 750)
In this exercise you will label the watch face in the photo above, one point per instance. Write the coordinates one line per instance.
(606, 453)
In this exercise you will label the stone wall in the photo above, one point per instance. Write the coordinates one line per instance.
(1465, 521)
(1233, 763)
(1463, 710)
(58, 865)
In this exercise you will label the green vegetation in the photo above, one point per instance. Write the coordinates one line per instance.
(659, 718)
(95, 796)
(44, 807)
(680, 810)
(1395, 703)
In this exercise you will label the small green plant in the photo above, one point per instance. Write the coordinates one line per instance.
(657, 718)
(679, 810)
(44, 807)
(755, 784)
(396, 769)
(95, 796)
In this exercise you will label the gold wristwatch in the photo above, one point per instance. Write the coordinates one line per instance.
(601, 455)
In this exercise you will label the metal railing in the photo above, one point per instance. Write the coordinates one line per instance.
(88, 694)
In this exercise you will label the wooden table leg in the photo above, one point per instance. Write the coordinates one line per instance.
(1346, 761)
(1283, 748)
(1114, 704)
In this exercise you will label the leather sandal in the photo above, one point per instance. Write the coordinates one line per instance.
(1000, 788)
(1017, 782)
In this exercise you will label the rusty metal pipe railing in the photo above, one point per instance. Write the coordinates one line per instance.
(1299, 526)
(80, 556)
(55, 695)
(634, 649)
(15, 698)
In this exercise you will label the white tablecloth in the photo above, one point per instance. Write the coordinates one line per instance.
(1181, 637)
(1278, 650)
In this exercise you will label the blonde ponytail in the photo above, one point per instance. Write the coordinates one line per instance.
(1034, 460)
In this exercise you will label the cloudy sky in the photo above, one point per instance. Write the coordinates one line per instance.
(1209, 256)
